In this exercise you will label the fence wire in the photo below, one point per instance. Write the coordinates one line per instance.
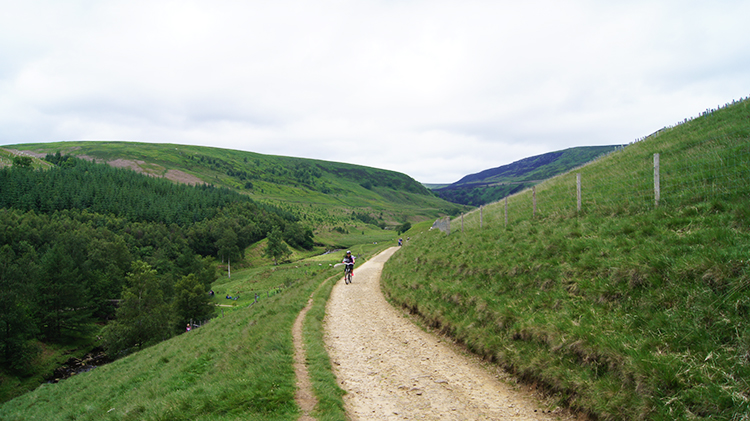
(717, 168)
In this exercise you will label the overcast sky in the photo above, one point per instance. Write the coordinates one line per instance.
(435, 89)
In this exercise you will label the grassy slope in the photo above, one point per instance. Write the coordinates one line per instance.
(328, 189)
(623, 311)
(324, 212)
(238, 366)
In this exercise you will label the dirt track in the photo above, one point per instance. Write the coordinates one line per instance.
(392, 369)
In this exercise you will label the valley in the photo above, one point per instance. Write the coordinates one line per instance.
(628, 305)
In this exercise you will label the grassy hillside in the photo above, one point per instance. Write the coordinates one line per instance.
(154, 220)
(326, 192)
(623, 310)
(496, 183)
(238, 366)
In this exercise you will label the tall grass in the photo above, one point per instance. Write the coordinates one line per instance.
(624, 311)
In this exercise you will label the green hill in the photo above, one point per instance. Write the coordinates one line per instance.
(77, 235)
(324, 192)
(496, 183)
(630, 308)
(623, 310)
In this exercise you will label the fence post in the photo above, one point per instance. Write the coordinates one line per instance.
(657, 186)
(578, 190)
(533, 196)
(506, 211)
(462, 222)
(480, 216)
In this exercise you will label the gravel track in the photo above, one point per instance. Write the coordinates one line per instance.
(392, 370)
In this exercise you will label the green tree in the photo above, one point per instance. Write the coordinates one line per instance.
(143, 318)
(276, 248)
(22, 161)
(298, 236)
(406, 226)
(16, 322)
(227, 245)
(107, 262)
(191, 301)
(63, 302)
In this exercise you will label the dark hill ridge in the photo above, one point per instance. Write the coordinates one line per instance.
(495, 183)
(519, 169)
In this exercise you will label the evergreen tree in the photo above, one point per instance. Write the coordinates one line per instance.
(406, 226)
(143, 317)
(63, 302)
(107, 263)
(276, 249)
(298, 236)
(16, 322)
(22, 162)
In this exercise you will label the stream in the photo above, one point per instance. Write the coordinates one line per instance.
(73, 366)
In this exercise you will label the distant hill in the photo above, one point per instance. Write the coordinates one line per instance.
(297, 184)
(495, 183)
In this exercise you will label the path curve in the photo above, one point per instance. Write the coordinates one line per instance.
(391, 369)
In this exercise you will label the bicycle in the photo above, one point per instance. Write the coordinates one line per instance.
(348, 274)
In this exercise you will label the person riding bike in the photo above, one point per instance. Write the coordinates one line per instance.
(349, 261)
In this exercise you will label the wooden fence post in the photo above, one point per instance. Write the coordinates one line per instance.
(657, 186)
(462, 222)
(578, 190)
(533, 196)
(480, 216)
(506, 211)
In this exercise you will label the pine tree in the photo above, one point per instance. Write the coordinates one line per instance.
(62, 299)
(143, 317)
(16, 324)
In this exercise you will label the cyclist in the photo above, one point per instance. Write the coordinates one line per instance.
(349, 261)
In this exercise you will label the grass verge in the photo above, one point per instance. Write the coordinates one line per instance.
(325, 386)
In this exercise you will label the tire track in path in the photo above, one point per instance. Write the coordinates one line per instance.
(393, 370)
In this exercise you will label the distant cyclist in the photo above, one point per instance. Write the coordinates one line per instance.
(349, 261)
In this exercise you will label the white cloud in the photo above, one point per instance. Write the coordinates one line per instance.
(435, 89)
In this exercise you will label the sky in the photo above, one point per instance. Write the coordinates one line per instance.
(435, 89)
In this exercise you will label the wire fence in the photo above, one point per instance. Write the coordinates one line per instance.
(627, 181)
